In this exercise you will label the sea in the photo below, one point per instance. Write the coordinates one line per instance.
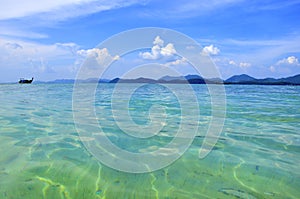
(43, 153)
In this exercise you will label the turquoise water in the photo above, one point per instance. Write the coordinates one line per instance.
(257, 154)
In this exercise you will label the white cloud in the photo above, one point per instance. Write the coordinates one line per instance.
(168, 51)
(72, 47)
(285, 64)
(93, 61)
(18, 49)
(57, 9)
(177, 62)
(154, 54)
(210, 50)
(158, 41)
(231, 62)
(272, 69)
(252, 43)
(44, 67)
(291, 60)
(244, 65)
(101, 56)
(18, 8)
(191, 8)
(12, 30)
(253, 49)
(159, 50)
(51, 61)
(46, 13)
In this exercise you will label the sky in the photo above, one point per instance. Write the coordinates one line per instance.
(51, 39)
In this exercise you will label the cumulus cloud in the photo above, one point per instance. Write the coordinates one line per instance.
(158, 50)
(158, 41)
(72, 47)
(154, 54)
(44, 61)
(182, 61)
(240, 64)
(210, 50)
(168, 51)
(291, 60)
(165, 53)
(286, 63)
(23, 50)
(244, 65)
(231, 62)
(96, 56)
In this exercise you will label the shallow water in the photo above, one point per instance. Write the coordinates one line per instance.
(257, 155)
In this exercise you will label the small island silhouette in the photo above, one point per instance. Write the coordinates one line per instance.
(192, 79)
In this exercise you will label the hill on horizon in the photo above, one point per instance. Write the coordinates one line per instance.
(191, 79)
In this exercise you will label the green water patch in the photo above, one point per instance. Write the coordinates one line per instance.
(72, 173)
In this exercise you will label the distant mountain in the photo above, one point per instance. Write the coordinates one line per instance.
(138, 80)
(294, 79)
(240, 79)
(215, 80)
(191, 79)
(196, 79)
(268, 80)
(246, 79)
(188, 77)
(94, 80)
(62, 81)
(116, 80)
(171, 78)
(72, 81)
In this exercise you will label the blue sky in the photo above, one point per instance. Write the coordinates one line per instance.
(50, 39)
